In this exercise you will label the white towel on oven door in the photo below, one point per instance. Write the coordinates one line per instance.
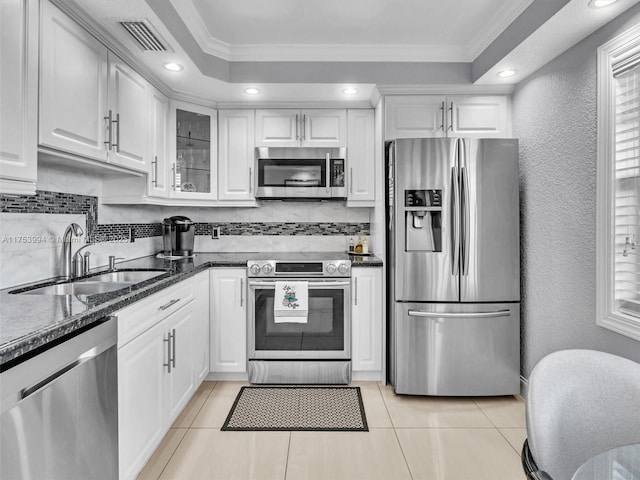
(291, 302)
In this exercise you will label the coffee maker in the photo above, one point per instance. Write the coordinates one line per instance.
(178, 235)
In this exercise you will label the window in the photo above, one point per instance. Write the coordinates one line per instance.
(618, 238)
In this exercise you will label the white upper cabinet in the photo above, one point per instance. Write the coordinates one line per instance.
(427, 116)
(236, 155)
(18, 96)
(478, 116)
(159, 171)
(193, 151)
(301, 128)
(129, 108)
(324, 128)
(91, 104)
(73, 87)
(360, 158)
(414, 116)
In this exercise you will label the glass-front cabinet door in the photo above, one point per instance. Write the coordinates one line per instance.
(194, 151)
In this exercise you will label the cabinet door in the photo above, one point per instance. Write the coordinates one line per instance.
(228, 351)
(158, 171)
(201, 326)
(366, 319)
(73, 87)
(324, 128)
(193, 151)
(129, 102)
(414, 116)
(478, 117)
(277, 128)
(18, 95)
(181, 379)
(141, 398)
(360, 158)
(236, 154)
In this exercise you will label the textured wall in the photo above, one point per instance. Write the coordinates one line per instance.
(554, 116)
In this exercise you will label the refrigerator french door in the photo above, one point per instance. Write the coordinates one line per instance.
(453, 212)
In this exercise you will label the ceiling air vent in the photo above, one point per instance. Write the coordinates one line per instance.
(142, 34)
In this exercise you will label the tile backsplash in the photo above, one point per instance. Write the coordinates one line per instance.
(31, 229)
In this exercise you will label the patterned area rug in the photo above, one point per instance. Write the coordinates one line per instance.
(298, 408)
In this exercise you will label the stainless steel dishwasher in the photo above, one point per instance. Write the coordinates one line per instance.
(59, 411)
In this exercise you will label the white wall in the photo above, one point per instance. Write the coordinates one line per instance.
(554, 116)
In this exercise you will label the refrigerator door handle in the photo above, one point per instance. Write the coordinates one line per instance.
(465, 207)
(455, 222)
(421, 313)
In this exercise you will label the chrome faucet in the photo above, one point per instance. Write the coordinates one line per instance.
(72, 230)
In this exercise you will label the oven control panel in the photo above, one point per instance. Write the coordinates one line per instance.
(283, 268)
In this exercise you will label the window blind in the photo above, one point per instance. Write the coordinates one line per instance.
(627, 188)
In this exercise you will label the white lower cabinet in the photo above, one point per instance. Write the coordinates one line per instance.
(201, 326)
(159, 368)
(366, 323)
(228, 341)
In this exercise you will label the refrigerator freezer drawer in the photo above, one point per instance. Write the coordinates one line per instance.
(457, 349)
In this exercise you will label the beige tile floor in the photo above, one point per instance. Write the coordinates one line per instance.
(430, 438)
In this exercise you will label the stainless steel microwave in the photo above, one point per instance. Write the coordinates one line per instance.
(300, 173)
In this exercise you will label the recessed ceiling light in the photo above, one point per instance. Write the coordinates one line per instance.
(349, 91)
(174, 67)
(251, 91)
(506, 73)
(601, 3)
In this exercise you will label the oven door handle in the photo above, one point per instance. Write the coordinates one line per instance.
(311, 284)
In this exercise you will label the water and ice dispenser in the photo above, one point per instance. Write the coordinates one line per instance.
(423, 220)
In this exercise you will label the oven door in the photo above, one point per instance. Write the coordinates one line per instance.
(326, 335)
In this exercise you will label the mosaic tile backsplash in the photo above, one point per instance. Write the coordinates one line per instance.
(66, 203)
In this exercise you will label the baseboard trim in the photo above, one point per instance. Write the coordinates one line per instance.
(228, 376)
(372, 376)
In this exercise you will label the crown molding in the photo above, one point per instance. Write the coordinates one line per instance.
(445, 89)
(501, 20)
(357, 105)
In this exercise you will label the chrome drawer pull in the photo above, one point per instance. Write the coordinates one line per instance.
(420, 313)
(172, 302)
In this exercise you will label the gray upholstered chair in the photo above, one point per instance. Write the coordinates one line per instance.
(580, 403)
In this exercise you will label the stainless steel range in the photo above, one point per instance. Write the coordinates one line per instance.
(314, 344)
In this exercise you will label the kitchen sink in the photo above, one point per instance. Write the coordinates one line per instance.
(101, 283)
(127, 276)
(79, 288)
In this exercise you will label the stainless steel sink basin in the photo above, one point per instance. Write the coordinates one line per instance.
(78, 288)
(129, 276)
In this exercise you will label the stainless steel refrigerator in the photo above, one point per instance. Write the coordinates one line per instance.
(454, 266)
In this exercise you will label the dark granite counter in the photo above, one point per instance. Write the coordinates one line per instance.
(28, 323)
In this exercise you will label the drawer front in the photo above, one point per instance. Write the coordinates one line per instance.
(142, 315)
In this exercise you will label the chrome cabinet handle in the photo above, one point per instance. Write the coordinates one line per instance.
(304, 127)
(117, 122)
(442, 115)
(450, 127)
(168, 342)
(241, 291)
(250, 180)
(154, 181)
(421, 313)
(173, 177)
(167, 305)
(297, 125)
(109, 142)
(355, 288)
(173, 341)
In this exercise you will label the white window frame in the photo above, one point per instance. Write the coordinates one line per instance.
(612, 52)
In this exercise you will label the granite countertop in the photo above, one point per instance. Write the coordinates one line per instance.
(29, 322)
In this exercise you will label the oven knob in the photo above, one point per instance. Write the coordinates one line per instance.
(267, 269)
(254, 269)
(343, 268)
(331, 268)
